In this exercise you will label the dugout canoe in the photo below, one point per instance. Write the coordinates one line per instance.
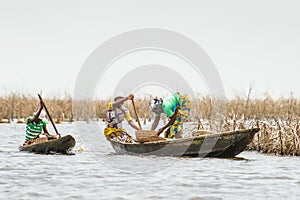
(60, 145)
(218, 145)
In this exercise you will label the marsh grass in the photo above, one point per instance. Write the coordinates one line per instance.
(278, 119)
(17, 106)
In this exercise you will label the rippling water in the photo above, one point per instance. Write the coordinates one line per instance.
(100, 174)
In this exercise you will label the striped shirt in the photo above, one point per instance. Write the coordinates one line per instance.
(33, 129)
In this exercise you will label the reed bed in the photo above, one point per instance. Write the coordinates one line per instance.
(278, 119)
(275, 137)
(20, 106)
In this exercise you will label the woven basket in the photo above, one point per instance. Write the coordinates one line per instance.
(146, 135)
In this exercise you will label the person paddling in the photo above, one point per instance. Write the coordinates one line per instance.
(115, 116)
(35, 125)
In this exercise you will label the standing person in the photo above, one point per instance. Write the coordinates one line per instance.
(115, 116)
(177, 107)
(35, 125)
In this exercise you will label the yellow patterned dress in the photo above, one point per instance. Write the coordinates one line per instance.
(169, 105)
(114, 129)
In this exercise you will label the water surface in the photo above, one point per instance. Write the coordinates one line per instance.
(100, 174)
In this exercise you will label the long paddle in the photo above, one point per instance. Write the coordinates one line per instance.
(136, 115)
(49, 115)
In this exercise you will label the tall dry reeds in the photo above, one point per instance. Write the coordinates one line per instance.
(16, 106)
(277, 118)
(277, 137)
(20, 106)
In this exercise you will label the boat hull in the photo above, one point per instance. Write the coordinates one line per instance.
(61, 145)
(224, 145)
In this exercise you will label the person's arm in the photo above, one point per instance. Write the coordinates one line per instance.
(129, 97)
(36, 116)
(45, 130)
(49, 135)
(172, 120)
(133, 125)
(129, 119)
(155, 123)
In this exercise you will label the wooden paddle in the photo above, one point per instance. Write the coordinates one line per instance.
(49, 115)
(136, 115)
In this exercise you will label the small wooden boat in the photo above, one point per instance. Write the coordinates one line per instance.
(4, 121)
(60, 145)
(224, 145)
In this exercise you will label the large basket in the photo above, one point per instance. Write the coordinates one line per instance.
(146, 136)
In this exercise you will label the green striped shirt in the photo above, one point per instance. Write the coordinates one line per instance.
(33, 129)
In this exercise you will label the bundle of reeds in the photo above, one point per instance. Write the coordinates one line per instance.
(277, 137)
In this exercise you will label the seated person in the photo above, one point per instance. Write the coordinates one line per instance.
(35, 125)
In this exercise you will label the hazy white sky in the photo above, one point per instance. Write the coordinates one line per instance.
(44, 43)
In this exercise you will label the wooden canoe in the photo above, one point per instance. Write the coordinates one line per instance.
(60, 145)
(224, 145)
